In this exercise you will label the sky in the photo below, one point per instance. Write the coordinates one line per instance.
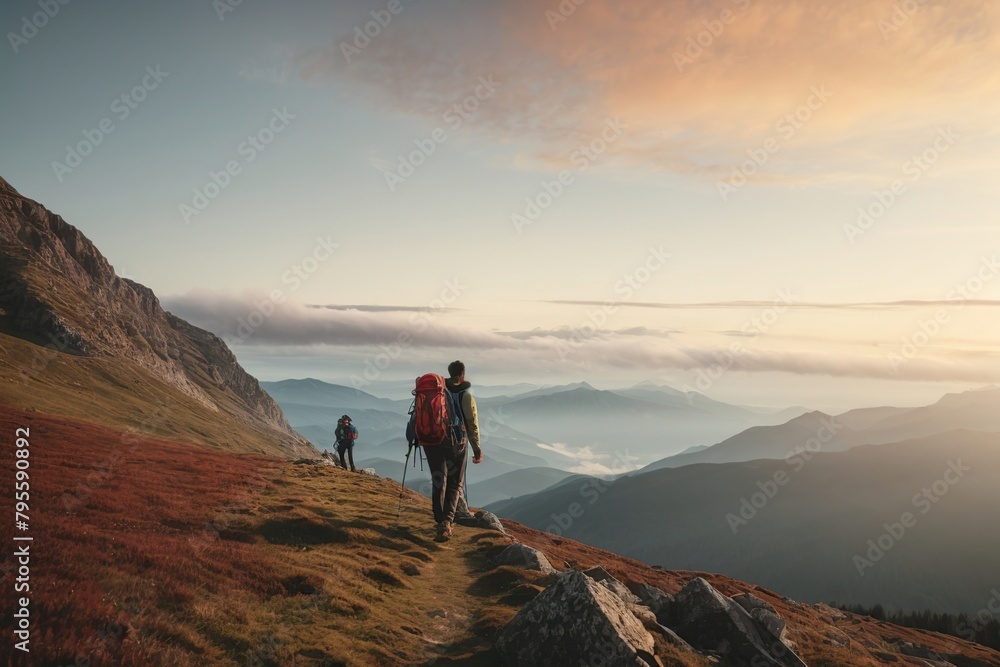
(772, 203)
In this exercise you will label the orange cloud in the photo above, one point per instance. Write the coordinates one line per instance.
(842, 89)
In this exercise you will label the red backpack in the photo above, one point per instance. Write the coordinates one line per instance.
(437, 415)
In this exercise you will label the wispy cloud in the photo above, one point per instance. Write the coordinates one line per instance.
(293, 325)
(892, 83)
(870, 305)
(242, 316)
(369, 308)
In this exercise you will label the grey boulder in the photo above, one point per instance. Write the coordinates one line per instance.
(523, 556)
(576, 621)
(711, 622)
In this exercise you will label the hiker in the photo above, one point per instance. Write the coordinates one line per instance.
(448, 473)
(346, 434)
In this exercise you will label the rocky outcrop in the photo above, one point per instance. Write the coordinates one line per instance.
(58, 290)
(592, 616)
(576, 621)
(523, 556)
(715, 624)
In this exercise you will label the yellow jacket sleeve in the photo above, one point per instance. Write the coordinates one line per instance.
(471, 420)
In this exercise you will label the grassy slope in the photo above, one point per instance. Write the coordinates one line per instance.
(154, 552)
(120, 394)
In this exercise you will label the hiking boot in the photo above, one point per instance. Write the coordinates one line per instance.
(444, 532)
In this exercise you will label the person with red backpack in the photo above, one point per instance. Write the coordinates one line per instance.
(444, 423)
(346, 434)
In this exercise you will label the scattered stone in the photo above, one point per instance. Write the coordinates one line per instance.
(489, 520)
(438, 613)
(711, 622)
(368, 471)
(523, 556)
(576, 621)
(762, 612)
(920, 651)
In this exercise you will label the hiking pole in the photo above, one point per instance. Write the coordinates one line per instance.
(402, 484)
(465, 484)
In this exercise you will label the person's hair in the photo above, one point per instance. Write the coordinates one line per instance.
(456, 369)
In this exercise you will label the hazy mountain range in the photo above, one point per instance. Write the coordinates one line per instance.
(796, 524)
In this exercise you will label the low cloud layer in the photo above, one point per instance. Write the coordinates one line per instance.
(242, 320)
(719, 305)
(589, 462)
(252, 318)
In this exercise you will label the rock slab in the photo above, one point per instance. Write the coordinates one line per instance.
(575, 621)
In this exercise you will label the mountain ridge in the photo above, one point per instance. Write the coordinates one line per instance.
(59, 292)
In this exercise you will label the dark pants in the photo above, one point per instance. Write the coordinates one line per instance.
(349, 450)
(447, 469)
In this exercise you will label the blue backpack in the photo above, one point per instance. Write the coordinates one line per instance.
(346, 433)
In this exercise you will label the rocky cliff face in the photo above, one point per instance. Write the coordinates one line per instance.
(58, 290)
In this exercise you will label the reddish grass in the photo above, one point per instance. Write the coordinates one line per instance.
(123, 536)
